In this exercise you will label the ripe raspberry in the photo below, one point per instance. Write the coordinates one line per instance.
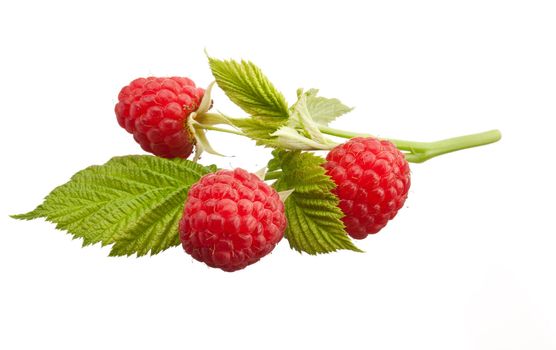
(231, 219)
(155, 110)
(372, 179)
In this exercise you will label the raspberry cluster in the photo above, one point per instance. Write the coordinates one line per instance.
(155, 110)
(231, 219)
(372, 179)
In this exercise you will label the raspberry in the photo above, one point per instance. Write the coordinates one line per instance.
(155, 110)
(372, 180)
(231, 219)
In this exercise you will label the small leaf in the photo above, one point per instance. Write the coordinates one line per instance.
(324, 110)
(202, 143)
(134, 202)
(314, 218)
(302, 131)
(285, 194)
(302, 118)
(206, 102)
(212, 119)
(289, 138)
(299, 132)
(260, 129)
(246, 85)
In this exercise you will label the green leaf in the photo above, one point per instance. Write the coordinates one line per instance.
(290, 138)
(301, 117)
(299, 132)
(302, 132)
(133, 202)
(260, 129)
(324, 110)
(246, 85)
(314, 218)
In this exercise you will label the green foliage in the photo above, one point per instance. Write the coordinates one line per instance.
(246, 85)
(314, 218)
(133, 202)
(260, 129)
(271, 123)
(324, 110)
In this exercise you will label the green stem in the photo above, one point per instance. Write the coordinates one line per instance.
(422, 151)
(411, 146)
(458, 143)
(415, 152)
(216, 128)
(272, 175)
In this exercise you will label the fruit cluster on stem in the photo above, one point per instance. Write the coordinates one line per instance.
(230, 219)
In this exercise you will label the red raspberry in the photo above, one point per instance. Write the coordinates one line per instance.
(155, 110)
(231, 219)
(372, 179)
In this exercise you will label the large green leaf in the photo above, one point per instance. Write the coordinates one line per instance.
(133, 202)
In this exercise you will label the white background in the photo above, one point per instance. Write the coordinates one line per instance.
(468, 263)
